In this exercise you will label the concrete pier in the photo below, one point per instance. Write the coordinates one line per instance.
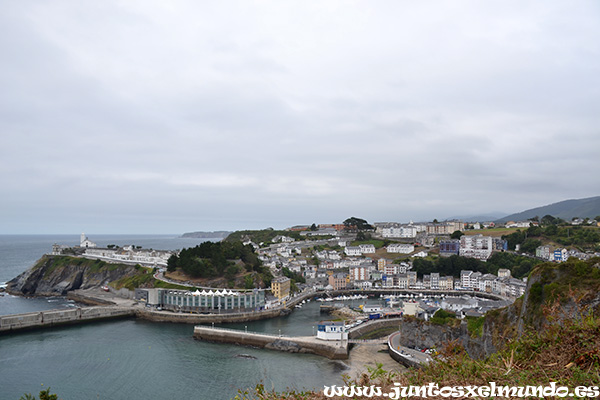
(45, 319)
(335, 350)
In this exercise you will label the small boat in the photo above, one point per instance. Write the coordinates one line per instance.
(247, 356)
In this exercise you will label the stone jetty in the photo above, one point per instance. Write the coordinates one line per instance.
(335, 350)
(51, 318)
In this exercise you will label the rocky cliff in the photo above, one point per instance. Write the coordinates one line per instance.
(555, 292)
(57, 275)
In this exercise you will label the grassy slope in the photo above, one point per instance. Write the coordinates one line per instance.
(143, 277)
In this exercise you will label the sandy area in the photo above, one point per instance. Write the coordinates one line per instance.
(363, 356)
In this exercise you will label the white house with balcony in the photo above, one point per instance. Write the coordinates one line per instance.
(367, 248)
(352, 251)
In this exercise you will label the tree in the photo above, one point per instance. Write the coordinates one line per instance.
(44, 395)
(551, 230)
(360, 236)
(548, 220)
(231, 272)
(456, 235)
(534, 231)
(248, 282)
(357, 223)
(313, 227)
(172, 263)
(529, 245)
(514, 239)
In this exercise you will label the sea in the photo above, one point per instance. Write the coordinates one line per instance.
(141, 360)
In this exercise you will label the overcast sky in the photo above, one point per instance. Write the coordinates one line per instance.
(174, 116)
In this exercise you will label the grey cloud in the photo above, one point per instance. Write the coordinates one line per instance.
(121, 117)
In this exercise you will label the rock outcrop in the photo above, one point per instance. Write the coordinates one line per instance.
(57, 275)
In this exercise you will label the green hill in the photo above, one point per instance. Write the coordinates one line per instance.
(567, 210)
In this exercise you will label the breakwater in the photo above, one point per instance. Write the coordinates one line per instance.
(335, 350)
(46, 319)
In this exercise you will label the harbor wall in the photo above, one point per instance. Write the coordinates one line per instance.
(192, 318)
(45, 319)
(409, 362)
(370, 326)
(88, 299)
(298, 344)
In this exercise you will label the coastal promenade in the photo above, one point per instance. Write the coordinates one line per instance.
(334, 350)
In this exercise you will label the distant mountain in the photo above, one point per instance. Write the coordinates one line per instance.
(566, 210)
(478, 218)
(207, 235)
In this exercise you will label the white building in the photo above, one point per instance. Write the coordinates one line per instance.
(331, 330)
(504, 273)
(518, 224)
(435, 280)
(401, 248)
(407, 231)
(367, 248)
(352, 251)
(465, 278)
(283, 239)
(85, 242)
(476, 246)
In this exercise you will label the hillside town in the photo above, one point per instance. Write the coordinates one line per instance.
(340, 265)
(333, 262)
(330, 258)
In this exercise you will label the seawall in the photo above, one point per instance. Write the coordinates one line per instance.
(51, 318)
(185, 318)
(335, 350)
(408, 357)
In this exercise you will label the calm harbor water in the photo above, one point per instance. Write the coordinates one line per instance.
(131, 359)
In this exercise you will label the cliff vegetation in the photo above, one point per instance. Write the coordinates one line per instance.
(233, 261)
